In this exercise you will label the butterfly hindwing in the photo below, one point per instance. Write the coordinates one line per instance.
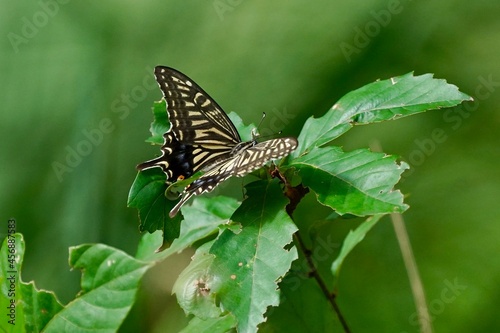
(256, 156)
(176, 160)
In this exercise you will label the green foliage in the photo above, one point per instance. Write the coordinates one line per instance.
(210, 325)
(194, 287)
(245, 131)
(244, 274)
(238, 271)
(147, 194)
(160, 125)
(359, 182)
(110, 279)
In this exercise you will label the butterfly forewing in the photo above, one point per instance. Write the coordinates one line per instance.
(195, 117)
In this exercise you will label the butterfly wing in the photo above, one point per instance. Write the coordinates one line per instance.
(176, 159)
(200, 131)
(202, 137)
(240, 164)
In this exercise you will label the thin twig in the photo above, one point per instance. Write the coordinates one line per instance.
(330, 296)
(295, 195)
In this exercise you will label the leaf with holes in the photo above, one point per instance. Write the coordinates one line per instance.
(194, 286)
(248, 265)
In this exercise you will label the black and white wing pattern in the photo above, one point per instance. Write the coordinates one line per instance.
(246, 160)
(202, 137)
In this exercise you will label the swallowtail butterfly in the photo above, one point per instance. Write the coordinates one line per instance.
(202, 138)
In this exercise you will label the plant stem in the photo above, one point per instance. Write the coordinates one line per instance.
(330, 296)
(295, 195)
(413, 275)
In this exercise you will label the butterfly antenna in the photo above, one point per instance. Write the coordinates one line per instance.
(256, 130)
(261, 119)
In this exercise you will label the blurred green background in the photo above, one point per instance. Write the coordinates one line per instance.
(77, 76)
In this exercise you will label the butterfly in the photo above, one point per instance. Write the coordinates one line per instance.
(203, 138)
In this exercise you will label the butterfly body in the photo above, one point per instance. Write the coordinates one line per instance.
(202, 138)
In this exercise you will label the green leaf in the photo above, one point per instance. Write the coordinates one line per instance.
(25, 308)
(110, 279)
(160, 124)
(381, 100)
(352, 239)
(245, 131)
(210, 325)
(149, 246)
(248, 265)
(147, 194)
(359, 182)
(194, 286)
(201, 219)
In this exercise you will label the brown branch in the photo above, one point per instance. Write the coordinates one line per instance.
(295, 195)
(330, 296)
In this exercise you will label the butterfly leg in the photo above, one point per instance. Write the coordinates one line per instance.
(177, 207)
